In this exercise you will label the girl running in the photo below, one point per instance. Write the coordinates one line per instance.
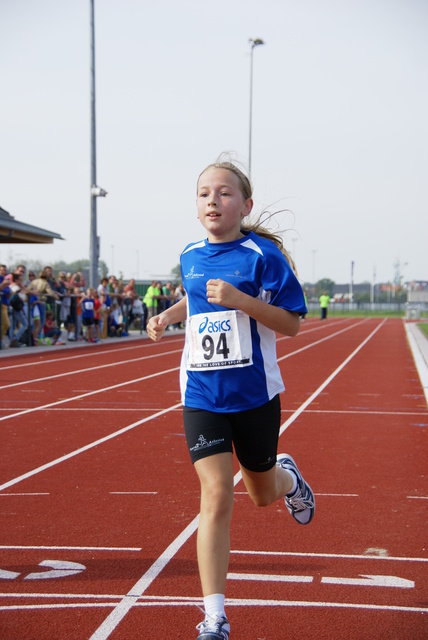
(240, 290)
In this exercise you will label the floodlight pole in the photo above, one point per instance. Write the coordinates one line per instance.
(93, 245)
(254, 43)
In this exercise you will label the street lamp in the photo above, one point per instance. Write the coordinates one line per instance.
(96, 191)
(255, 42)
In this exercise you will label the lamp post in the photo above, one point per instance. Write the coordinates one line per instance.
(255, 42)
(96, 192)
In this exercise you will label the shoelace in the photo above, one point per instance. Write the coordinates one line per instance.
(299, 502)
(213, 624)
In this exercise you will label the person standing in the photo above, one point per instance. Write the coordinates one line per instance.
(4, 292)
(19, 317)
(241, 290)
(88, 314)
(324, 302)
(43, 290)
(150, 300)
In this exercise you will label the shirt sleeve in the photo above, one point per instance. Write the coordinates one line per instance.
(280, 286)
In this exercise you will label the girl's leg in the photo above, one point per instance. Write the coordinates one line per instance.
(42, 308)
(266, 487)
(22, 319)
(36, 329)
(213, 540)
(283, 480)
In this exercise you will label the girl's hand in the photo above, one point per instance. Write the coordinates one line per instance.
(223, 293)
(156, 327)
(275, 318)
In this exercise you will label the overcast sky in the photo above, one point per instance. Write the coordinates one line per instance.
(340, 127)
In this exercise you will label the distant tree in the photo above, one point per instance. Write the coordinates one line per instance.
(103, 268)
(324, 285)
(176, 271)
(33, 265)
(361, 298)
(61, 265)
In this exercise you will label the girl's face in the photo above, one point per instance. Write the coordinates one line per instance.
(221, 205)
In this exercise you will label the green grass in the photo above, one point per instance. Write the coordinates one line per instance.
(424, 328)
(340, 311)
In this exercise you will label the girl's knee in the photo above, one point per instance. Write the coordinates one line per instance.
(217, 501)
(263, 499)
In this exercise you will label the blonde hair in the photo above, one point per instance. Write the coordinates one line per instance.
(256, 226)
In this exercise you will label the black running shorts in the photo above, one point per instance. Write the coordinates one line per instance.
(253, 434)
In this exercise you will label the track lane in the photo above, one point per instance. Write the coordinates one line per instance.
(180, 571)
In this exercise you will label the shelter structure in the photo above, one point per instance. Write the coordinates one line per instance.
(14, 232)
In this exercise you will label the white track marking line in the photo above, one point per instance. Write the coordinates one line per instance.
(90, 354)
(86, 395)
(157, 601)
(134, 493)
(77, 452)
(65, 400)
(18, 495)
(342, 556)
(6, 547)
(119, 612)
(339, 495)
(268, 577)
(304, 331)
(112, 364)
(331, 377)
(421, 414)
(313, 344)
(87, 369)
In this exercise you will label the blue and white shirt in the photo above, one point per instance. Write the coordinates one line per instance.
(88, 306)
(229, 360)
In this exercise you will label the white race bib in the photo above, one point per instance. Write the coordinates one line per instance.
(219, 339)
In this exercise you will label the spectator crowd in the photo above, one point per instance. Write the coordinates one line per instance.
(44, 309)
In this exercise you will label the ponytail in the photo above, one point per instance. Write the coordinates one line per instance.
(263, 232)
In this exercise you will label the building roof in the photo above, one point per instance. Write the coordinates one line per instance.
(14, 232)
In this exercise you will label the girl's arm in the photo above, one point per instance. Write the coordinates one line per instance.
(157, 324)
(275, 318)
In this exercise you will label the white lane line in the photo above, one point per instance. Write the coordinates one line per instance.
(106, 408)
(134, 493)
(92, 354)
(49, 406)
(365, 412)
(331, 377)
(14, 495)
(87, 447)
(313, 344)
(62, 548)
(230, 602)
(268, 577)
(306, 330)
(119, 612)
(86, 395)
(87, 369)
(339, 495)
(417, 497)
(341, 556)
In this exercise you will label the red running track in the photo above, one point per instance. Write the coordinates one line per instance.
(99, 501)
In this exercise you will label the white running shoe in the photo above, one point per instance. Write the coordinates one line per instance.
(214, 629)
(301, 504)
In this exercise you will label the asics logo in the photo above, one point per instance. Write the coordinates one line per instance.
(214, 327)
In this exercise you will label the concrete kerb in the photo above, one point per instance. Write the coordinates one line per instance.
(419, 346)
